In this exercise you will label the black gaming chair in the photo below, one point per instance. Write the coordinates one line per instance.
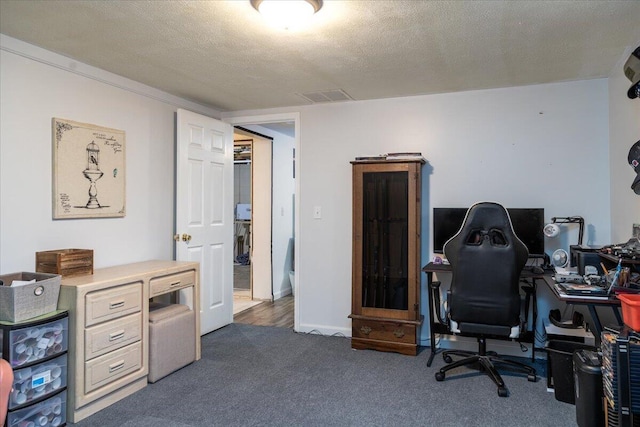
(486, 259)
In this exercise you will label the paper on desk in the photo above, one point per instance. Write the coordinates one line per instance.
(17, 283)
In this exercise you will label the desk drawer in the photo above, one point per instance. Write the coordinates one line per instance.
(172, 282)
(112, 335)
(113, 303)
(396, 332)
(108, 368)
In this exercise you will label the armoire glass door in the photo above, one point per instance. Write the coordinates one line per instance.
(385, 235)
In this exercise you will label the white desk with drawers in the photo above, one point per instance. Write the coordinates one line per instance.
(109, 328)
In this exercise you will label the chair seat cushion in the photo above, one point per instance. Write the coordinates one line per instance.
(483, 329)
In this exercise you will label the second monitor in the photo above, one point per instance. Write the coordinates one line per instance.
(527, 224)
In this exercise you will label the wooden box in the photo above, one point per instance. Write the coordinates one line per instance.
(66, 262)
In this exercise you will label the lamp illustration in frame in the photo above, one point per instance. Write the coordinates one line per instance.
(93, 173)
(560, 257)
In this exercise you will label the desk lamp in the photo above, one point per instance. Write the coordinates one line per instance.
(560, 257)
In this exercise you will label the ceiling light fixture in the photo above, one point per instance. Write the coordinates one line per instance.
(287, 14)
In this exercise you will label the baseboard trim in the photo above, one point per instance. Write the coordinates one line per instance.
(324, 330)
(282, 293)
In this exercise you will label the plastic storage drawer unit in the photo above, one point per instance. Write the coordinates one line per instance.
(36, 382)
(50, 412)
(35, 341)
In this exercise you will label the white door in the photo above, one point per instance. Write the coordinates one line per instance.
(204, 211)
(261, 223)
(261, 274)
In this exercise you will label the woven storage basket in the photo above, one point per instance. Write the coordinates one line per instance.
(18, 303)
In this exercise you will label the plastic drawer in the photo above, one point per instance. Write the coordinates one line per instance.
(33, 343)
(51, 412)
(38, 381)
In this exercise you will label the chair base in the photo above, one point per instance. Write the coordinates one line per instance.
(487, 362)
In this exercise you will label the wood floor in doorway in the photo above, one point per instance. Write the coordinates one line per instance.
(277, 313)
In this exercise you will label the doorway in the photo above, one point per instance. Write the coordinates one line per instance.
(242, 197)
(283, 197)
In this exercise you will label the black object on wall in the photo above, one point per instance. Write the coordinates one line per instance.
(632, 71)
(634, 161)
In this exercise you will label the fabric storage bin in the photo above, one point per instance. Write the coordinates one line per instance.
(171, 339)
(36, 382)
(51, 412)
(36, 342)
(19, 303)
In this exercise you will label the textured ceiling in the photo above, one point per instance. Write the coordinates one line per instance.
(221, 54)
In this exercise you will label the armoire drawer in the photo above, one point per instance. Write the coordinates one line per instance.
(384, 331)
(112, 303)
(112, 335)
(108, 368)
(161, 285)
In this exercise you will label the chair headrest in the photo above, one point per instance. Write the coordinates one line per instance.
(485, 223)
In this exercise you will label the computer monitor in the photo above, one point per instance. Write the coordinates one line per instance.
(527, 224)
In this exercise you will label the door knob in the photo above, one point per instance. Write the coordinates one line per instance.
(185, 237)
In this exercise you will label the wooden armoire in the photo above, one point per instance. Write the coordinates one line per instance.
(385, 304)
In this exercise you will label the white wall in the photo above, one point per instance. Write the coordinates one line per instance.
(539, 146)
(536, 146)
(36, 85)
(624, 131)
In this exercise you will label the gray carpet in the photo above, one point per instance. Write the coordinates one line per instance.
(266, 376)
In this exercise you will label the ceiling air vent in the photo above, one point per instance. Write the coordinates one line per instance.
(335, 95)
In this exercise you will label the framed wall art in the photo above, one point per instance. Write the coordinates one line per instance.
(88, 170)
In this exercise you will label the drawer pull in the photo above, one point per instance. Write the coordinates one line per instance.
(365, 330)
(175, 284)
(116, 335)
(116, 305)
(114, 367)
(399, 333)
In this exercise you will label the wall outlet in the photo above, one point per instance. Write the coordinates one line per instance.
(317, 212)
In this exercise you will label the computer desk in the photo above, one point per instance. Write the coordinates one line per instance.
(592, 303)
(435, 327)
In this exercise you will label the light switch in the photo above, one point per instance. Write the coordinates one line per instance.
(317, 212)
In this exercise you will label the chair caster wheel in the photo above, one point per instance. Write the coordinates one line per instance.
(439, 376)
(447, 358)
(532, 378)
(502, 391)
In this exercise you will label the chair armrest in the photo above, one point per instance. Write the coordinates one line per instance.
(435, 291)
